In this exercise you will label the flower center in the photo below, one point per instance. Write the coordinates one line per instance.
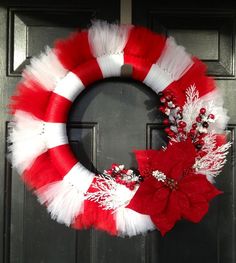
(169, 182)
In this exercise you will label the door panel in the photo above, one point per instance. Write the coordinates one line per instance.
(33, 29)
(107, 122)
(208, 36)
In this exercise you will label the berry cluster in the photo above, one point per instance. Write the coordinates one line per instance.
(199, 128)
(168, 101)
(177, 128)
(127, 177)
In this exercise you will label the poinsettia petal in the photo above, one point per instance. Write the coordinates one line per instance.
(198, 184)
(183, 200)
(150, 198)
(142, 158)
(160, 200)
(180, 154)
(166, 220)
(197, 209)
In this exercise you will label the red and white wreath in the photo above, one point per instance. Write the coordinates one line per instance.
(170, 184)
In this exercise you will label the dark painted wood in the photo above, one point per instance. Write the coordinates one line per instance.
(25, 25)
(7, 207)
(107, 122)
(196, 29)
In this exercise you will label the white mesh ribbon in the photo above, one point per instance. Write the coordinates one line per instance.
(131, 223)
(46, 70)
(107, 39)
(64, 199)
(26, 140)
(171, 66)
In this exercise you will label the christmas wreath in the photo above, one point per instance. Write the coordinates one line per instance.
(172, 183)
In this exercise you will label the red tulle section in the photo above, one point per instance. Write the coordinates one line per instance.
(88, 72)
(74, 50)
(32, 98)
(95, 216)
(57, 109)
(220, 139)
(63, 159)
(144, 43)
(140, 66)
(195, 75)
(42, 172)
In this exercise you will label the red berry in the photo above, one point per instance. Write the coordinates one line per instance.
(200, 136)
(180, 129)
(202, 110)
(167, 130)
(201, 142)
(171, 133)
(198, 119)
(162, 109)
(114, 165)
(182, 124)
(194, 126)
(211, 116)
(166, 122)
(162, 100)
(192, 131)
(168, 97)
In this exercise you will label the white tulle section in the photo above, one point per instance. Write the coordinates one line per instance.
(63, 201)
(174, 59)
(105, 38)
(157, 79)
(110, 65)
(46, 69)
(55, 134)
(80, 177)
(69, 87)
(65, 198)
(26, 140)
(130, 223)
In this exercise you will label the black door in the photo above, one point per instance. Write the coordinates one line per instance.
(106, 124)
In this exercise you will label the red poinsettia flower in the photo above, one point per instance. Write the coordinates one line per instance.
(183, 194)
